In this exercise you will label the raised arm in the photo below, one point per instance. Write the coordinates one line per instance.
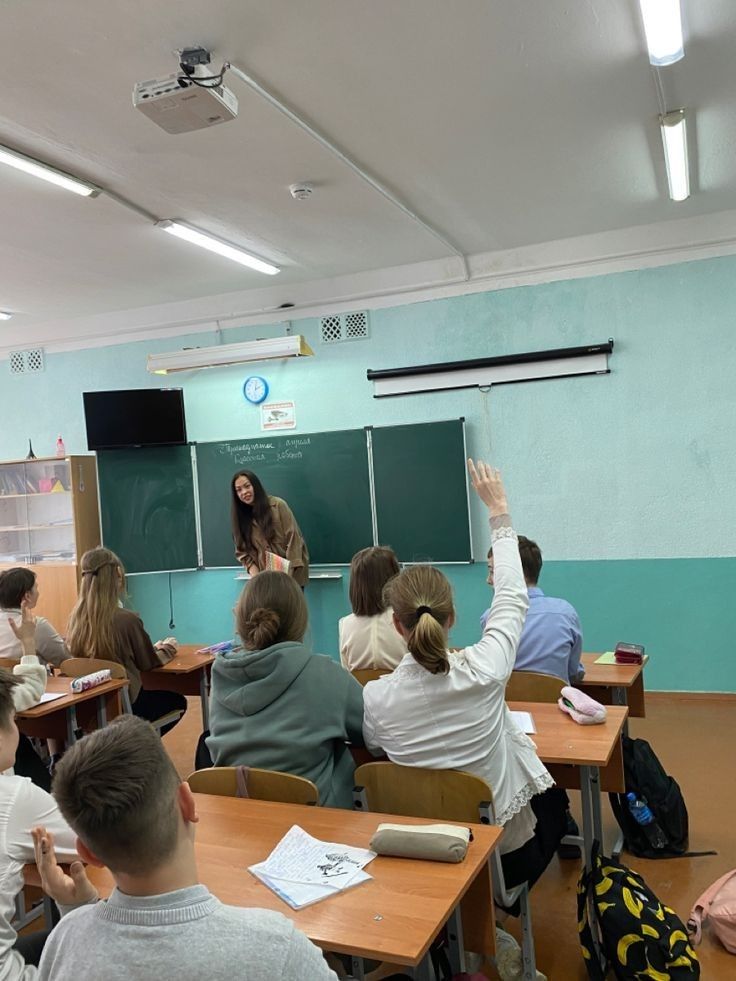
(495, 653)
(29, 672)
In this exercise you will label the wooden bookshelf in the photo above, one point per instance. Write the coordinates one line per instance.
(49, 517)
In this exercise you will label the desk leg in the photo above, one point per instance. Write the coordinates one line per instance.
(590, 796)
(204, 694)
(423, 971)
(101, 712)
(357, 970)
(71, 725)
(456, 947)
(618, 697)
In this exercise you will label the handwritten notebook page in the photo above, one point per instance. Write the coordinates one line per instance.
(303, 870)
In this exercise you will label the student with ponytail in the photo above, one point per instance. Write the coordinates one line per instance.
(99, 627)
(276, 705)
(446, 711)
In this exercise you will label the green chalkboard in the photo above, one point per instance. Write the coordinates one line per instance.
(421, 491)
(147, 507)
(322, 476)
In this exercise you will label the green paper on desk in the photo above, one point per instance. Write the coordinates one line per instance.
(608, 658)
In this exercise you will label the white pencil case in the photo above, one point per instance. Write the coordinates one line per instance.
(90, 680)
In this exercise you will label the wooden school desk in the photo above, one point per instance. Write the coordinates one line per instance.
(615, 684)
(62, 717)
(188, 673)
(588, 758)
(393, 917)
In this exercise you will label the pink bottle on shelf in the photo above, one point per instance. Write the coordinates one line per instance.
(60, 448)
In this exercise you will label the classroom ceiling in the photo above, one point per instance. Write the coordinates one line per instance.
(502, 123)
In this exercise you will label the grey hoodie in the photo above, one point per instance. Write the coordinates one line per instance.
(286, 709)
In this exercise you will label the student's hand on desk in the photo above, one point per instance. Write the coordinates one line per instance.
(74, 889)
(26, 631)
(488, 485)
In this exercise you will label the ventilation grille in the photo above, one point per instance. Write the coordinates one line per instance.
(344, 327)
(26, 362)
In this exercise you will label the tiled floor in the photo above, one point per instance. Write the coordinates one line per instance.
(695, 740)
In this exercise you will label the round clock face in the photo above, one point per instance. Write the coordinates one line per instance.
(255, 389)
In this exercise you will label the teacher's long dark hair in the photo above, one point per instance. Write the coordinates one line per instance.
(243, 515)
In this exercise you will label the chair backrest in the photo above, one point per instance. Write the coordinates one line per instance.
(533, 686)
(77, 667)
(8, 663)
(284, 788)
(364, 675)
(450, 795)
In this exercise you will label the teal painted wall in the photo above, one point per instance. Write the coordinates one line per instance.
(625, 480)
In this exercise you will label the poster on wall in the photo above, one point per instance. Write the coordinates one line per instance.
(278, 415)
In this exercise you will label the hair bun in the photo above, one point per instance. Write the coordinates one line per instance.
(261, 628)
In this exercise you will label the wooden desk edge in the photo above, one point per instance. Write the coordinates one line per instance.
(70, 698)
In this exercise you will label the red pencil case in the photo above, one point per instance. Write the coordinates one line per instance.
(629, 653)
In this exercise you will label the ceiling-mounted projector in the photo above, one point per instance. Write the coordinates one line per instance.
(178, 105)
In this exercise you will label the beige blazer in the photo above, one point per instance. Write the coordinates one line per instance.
(287, 542)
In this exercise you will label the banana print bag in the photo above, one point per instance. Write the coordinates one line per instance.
(640, 937)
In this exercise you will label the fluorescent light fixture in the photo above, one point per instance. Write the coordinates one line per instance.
(674, 138)
(4, 315)
(290, 346)
(28, 165)
(663, 28)
(212, 244)
(592, 359)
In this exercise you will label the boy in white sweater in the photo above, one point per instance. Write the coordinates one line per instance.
(120, 792)
(22, 805)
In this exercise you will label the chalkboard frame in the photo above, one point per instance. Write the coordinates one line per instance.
(368, 432)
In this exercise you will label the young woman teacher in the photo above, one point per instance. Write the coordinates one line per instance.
(262, 523)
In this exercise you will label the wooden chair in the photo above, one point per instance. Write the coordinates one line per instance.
(8, 663)
(448, 795)
(77, 667)
(533, 686)
(364, 675)
(284, 788)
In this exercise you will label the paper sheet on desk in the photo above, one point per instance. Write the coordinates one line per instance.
(302, 870)
(608, 658)
(50, 696)
(524, 721)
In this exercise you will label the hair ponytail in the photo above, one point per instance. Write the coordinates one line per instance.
(428, 645)
(421, 598)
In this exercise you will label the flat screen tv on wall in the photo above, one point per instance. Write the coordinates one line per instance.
(135, 417)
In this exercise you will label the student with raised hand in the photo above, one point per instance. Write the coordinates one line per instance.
(120, 792)
(22, 805)
(551, 640)
(99, 627)
(276, 705)
(442, 710)
(30, 677)
(367, 637)
(263, 523)
(19, 587)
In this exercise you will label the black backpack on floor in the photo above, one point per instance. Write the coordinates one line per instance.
(645, 776)
(639, 936)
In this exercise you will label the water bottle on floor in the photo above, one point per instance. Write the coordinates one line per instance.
(643, 816)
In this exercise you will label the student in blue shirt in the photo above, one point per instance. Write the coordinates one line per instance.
(551, 641)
